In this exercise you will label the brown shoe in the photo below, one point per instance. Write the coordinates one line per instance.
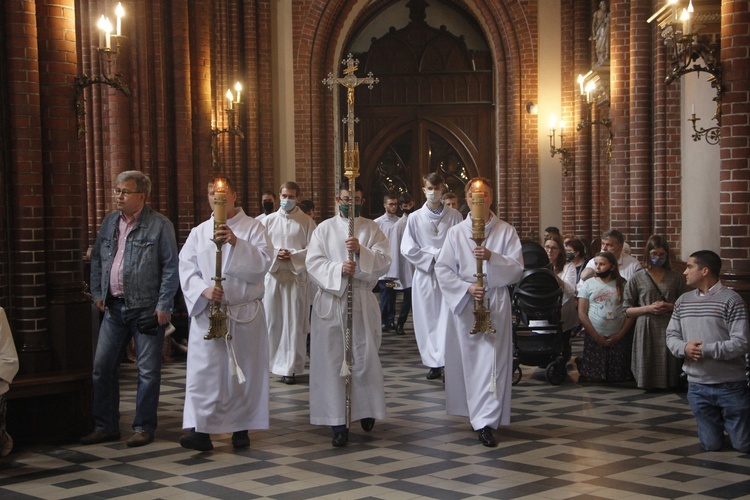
(97, 437)
(6, 444)
(140, 438)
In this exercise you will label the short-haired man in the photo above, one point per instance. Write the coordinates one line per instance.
(330, 267)
(450, 200)
(479, 366)
(267, 204)
(613, 241)
(709, 329)
(406, 268)
(226, 389)
(389, 224)
(423, 238)
(134, 279)
(286, 299)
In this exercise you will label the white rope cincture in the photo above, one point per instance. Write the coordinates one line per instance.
(234, 366)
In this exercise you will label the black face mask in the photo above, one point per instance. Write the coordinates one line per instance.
(267, 207)
(604, 274)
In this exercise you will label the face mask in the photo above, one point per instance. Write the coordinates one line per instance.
(658, 261)
(407, 211)
(267, 207)
(570, 255)
(432, 196)
(345, 210)
(604, 274)
(287, 204)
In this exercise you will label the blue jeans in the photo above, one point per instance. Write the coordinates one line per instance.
(118, 326)
(718, 407)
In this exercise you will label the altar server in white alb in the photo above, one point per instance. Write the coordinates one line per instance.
(424, 236)
(286, 299)
(227, 379)
(479, 367)
(329, 267)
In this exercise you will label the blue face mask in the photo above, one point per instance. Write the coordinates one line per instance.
(658, 261)
(287, 204)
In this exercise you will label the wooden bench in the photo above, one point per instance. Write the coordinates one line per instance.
(49, 407)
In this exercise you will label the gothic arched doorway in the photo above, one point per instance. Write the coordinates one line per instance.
(433, 108)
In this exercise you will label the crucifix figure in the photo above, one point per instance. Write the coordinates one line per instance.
(351, 171)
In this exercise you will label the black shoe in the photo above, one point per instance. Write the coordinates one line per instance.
(399, 329)
(340, 439)
(289, 380)
(386, 328)
(434, 373)
(240, 439)
(367, 424)
(198, 441)
(486, 437)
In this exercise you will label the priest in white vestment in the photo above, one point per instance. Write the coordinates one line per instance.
(286, 298)
(330, 268)
(479, 367)
(227, 380)
(425, 233)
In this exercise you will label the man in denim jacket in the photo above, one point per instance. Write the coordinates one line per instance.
(134, 279)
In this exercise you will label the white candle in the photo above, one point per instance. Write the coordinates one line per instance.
(693, 109)
(230, 97)
(580, 82)
(477, 202)
(120, 12)
(101, 25)
(238, 88)
(107, 33)
(220, 202)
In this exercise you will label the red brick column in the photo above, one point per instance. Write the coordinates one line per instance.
(619, 181)
(735, 135)
(640, 115)
(28, 310)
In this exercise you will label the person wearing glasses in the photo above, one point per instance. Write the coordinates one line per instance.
(134, 279)
(393, 229)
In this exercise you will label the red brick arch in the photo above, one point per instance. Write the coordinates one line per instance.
(321, 29)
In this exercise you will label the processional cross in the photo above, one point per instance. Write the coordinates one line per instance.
(351, 171)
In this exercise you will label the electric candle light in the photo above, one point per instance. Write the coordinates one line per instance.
(238, 88)
(120, 13)
(230, 97)
(107, 33)
(693, 110)
(102, 27)
(552, 122)
(580, 82)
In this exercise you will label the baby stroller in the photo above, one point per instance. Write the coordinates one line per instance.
(538, 338)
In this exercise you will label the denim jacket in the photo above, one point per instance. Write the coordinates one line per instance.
(150, 266)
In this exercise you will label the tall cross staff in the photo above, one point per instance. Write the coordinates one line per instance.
(351, 171)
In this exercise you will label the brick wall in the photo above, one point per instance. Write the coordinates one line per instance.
(735, 134)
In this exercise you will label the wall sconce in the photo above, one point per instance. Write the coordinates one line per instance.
(106, 56)
(712, 134)
(553, 149)
(685, 46)
(233, 129)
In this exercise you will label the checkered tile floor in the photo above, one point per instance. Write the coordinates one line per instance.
(576, 440)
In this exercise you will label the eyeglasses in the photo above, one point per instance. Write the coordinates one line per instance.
(124, 192)
(551, 249)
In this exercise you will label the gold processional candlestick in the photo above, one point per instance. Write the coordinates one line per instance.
(481, 311)
(218, 326)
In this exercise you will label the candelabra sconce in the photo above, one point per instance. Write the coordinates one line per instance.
(685, 47)
(107, 56)
(605, 122)
(233, 129)
(711, 134)
(565, 159)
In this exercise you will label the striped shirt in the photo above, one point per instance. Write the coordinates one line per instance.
(720, 320)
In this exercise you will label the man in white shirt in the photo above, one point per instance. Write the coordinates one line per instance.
(389, 223)
(423, 238)
(613, 241)
(286, 297)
